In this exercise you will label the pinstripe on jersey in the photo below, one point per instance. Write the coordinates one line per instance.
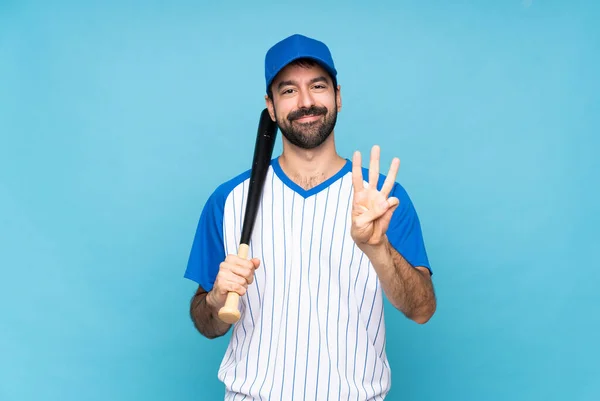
(312, 325)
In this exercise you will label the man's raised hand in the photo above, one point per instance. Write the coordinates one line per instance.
(372, 209)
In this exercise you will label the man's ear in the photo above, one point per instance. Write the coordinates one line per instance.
(269, 104)
(338, 98)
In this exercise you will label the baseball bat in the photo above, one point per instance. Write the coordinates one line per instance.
(263, 151)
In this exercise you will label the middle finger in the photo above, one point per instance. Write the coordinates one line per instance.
(374, 167)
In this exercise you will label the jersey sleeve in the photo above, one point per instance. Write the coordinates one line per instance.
(208, 249)
(404, 231)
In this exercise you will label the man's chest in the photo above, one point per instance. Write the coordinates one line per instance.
(302, 242)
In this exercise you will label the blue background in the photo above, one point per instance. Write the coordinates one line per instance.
(117, 120)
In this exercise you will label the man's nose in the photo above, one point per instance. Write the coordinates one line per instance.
(305, 99)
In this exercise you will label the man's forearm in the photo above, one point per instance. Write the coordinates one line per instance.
(408, 289)
(205, 318)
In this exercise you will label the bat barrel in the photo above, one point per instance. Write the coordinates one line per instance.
(263, 150)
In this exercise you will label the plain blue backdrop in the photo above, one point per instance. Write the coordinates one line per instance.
(119, 118)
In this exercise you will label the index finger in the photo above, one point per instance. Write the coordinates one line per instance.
(357, 176)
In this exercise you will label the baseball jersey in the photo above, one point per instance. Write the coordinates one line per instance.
(312, 321)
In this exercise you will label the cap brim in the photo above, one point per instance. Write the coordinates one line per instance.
(320, 61)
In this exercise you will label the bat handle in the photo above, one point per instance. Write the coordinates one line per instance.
(230, 313)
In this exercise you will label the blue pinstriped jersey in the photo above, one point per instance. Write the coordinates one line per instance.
(312, 325)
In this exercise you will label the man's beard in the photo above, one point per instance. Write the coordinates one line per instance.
(311, 134)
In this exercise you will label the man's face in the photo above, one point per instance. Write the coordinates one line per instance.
(305, 105)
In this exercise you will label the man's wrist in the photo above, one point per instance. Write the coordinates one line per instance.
(210, 304)
(377, 252)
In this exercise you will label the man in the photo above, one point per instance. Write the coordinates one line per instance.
(330, 240)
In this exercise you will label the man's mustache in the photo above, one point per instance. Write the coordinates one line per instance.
(311, 111)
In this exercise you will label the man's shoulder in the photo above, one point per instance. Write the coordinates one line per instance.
(223, 190)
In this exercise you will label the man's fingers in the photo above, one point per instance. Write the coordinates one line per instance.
(369, 215)
(244, 273)
(390, 179)
(234, 287)
(227, 282)
(236, 277)
(236, 260)
(357, 176)
(393, 202)
(374, 167)
(387, 216)
(363, 220)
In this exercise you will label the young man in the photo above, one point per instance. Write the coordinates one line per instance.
(330, 240)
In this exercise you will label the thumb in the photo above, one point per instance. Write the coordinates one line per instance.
(378, 212)
(393, 202)
(255, 262)
(387, 216)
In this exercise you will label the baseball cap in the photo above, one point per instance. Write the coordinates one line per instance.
(295, 47)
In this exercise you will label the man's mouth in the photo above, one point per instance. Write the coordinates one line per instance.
(308, 118)
(309, 115)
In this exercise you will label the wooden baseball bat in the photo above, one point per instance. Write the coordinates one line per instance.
(263, 151)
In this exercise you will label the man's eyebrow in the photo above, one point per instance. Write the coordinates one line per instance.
(321, 78)
(284, 83)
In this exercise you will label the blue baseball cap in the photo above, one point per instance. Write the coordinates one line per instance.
(295, 47)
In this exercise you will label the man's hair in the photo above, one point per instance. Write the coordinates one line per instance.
(305, 63)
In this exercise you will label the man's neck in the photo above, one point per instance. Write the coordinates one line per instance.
(309, 168)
